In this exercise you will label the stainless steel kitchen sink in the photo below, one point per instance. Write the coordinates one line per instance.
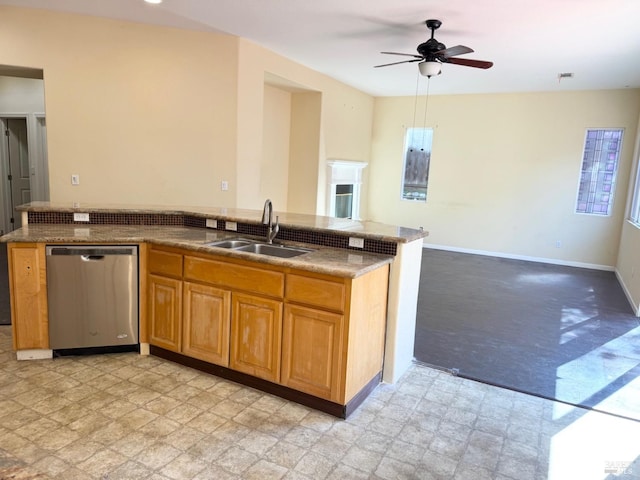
(274, 250)
(254, 246)
(231, 243)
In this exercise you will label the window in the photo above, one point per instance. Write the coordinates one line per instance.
(599, 168)
(417, 156)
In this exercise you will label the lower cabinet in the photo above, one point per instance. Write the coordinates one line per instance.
(206, 323)
(28, 295)
(165, 312)
(256, 333)
(314, 333)
(312, 348)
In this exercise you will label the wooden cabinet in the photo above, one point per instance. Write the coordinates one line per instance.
(256, 335)
(256, 293)
(206, 318)
(164, 298)
(314, 333)
(28, 295)
(165, 312)
(333, 333)
(312, 347)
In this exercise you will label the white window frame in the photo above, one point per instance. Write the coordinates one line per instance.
(416, 137)
(614, 173)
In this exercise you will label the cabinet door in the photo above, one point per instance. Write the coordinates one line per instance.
(165, 310)
(206, 319)
(256, 336)
(28, 288)
(312, 352)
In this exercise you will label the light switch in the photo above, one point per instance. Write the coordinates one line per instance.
(75, 179)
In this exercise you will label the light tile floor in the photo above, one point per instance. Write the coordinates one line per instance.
(125, 416)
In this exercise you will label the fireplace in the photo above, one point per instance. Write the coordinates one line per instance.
(343, 188)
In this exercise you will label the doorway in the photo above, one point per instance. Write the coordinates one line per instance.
(24, 172)
(16, 166)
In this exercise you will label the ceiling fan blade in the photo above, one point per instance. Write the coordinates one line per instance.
(453, 51)
(403, 54)
(397, 63)
(467, 62)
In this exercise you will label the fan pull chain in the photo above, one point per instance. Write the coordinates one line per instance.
(426, 106)
(415, 108)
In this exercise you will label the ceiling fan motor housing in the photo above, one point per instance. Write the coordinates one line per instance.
(428, 48)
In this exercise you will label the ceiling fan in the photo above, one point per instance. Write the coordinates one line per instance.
(432, 54)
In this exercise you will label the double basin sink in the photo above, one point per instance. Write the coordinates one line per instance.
(253, 246)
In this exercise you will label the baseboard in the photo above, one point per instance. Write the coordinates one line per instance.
(635, 306)
(553, 261)
(35, 354)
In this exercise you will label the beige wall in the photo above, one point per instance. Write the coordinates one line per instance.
(148, 114)
(504, 172)
(345, 122)
(628, 266)
(274, 168)
(158, 115)
(305, 152)
(143, 114)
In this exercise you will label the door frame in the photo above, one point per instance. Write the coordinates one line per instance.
(38, 163)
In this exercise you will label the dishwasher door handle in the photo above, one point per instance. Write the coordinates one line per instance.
(92, 258)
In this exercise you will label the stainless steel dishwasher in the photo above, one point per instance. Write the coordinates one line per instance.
(92, 293)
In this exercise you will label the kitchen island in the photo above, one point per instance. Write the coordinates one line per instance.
(312, 325)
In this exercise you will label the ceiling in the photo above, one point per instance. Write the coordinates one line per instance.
(529, 41)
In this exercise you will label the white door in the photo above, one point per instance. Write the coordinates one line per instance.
(19, 178)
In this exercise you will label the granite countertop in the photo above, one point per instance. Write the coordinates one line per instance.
(357, 228)
(331, 261)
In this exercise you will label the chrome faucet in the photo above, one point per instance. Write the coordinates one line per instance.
(267, 219)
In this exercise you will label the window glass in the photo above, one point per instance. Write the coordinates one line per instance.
(598, 173)
(417, 156)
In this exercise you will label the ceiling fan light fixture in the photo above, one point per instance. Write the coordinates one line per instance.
(428, 69)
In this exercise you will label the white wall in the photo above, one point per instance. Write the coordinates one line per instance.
(504, 172)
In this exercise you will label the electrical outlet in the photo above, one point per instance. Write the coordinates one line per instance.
(356, 242)
(75, 179)
(211, 223)
(80, 217)
(558, 243)
(231, 226)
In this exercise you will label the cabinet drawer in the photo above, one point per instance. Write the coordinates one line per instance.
(316, 291)
(165, 263)
(233, 276)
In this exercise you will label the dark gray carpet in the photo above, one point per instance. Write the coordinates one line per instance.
(563, 333)
(5, 306)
